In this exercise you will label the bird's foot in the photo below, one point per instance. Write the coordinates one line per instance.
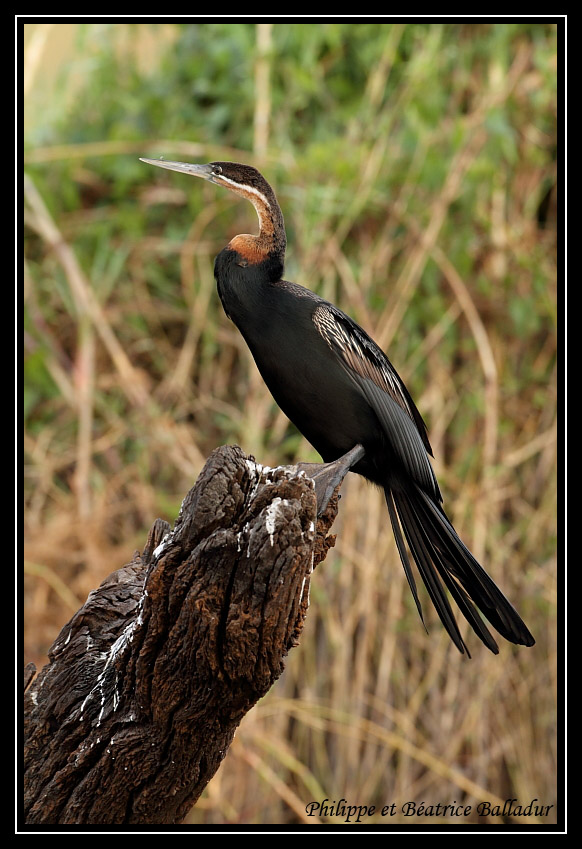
(327, 476)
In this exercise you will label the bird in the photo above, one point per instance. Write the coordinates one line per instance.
(343, 394)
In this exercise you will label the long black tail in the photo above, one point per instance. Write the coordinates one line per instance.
(442, 558)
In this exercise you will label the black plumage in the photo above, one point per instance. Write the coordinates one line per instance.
(340, 390)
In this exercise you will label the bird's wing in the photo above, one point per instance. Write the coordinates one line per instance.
(378, 380)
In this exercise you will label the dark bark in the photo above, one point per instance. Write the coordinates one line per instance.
(149, 680)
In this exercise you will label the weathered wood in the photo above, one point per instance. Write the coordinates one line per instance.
(149, 680)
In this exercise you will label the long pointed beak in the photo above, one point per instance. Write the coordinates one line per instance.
(204, 171)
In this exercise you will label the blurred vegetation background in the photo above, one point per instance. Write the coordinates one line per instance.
(416, 168)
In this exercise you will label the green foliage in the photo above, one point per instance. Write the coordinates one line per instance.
(368, 124)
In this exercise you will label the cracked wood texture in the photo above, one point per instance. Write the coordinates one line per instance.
(149, 680)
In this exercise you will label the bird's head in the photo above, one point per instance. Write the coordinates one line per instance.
(246, 181)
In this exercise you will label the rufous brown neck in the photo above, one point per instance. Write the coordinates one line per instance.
(271, 239)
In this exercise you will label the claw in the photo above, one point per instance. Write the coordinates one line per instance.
(328, 476)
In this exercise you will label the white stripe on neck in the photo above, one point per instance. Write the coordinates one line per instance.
(244, 188)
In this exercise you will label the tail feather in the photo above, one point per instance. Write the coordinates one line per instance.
(442, 557)
(420, 547)
(402, 551)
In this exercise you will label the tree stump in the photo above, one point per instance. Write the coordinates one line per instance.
(149, 680)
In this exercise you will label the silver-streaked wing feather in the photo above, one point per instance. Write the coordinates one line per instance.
(375, 375)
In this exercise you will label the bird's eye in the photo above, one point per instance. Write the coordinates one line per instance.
(217, 169)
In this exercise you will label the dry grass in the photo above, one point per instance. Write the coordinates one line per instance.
(370, 707)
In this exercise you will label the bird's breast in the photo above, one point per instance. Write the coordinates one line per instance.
(304, 376)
